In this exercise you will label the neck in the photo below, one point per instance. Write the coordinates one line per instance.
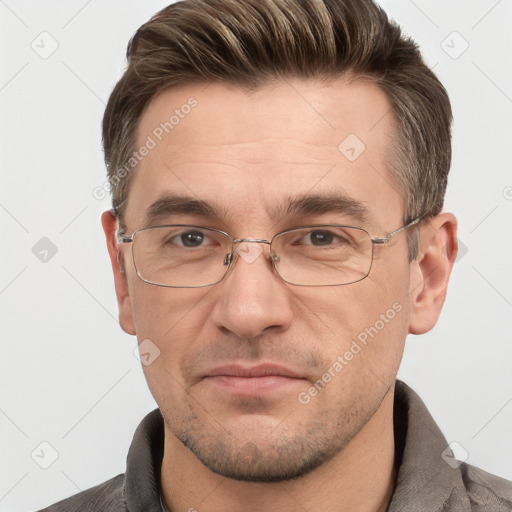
(361, 477)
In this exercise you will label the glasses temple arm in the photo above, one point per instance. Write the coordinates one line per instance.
(387, 239)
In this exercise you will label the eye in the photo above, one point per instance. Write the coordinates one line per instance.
(174, 238)
(189, 238)
(323, 237)
(185, 238)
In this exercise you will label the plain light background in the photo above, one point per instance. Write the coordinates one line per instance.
(69, 377)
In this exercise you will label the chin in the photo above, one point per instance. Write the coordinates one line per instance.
(258, 461)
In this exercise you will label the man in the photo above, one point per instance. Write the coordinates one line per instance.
(278, 169)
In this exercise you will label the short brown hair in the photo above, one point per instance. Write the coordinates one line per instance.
(251, 42)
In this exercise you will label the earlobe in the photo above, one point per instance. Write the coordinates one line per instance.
(109, 222)
(431, 270)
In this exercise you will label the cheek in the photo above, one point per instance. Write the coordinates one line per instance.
(382, 334)
(352, 308)
(363, 325)
(158, 310)
(172, 323)
(165, 383)
(169, 323)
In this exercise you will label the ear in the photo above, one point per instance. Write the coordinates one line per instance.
(431, 270)
(109, 222)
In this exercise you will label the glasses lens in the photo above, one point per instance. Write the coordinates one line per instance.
(323, 255)
(181, 256)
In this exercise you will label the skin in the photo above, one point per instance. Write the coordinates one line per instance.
(248, 153)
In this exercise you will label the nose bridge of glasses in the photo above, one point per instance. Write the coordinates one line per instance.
(230, 258)
(251, 240)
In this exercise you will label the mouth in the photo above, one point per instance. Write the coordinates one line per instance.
(253, 381)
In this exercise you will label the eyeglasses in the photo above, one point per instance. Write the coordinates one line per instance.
(185, 256)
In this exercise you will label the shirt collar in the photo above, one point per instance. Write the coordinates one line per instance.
(424, 480)
(143, 464)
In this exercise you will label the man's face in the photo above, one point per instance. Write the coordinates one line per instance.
(248, 155)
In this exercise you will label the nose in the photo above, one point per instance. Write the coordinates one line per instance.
(252, 298)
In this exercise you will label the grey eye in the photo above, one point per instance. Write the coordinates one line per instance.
(321, 237)
(192, 238)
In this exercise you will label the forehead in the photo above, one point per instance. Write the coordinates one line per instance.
(248, 151)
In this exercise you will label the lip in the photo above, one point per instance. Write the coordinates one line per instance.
(252, 381)
(262, 370)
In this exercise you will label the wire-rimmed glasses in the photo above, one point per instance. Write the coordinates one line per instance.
(189, 256)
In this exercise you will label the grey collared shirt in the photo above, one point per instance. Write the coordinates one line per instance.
(429, 478)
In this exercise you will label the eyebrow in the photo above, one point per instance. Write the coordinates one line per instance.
(173, 204)
(302, 205)
(322, 204)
